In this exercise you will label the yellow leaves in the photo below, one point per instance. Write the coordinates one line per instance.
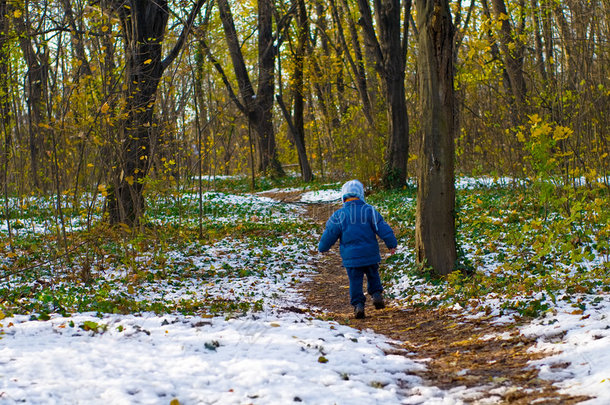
(148, 61)
(129, 180)
(560, 133)
(541, 130)
(17, 13)
(534, 119)
(105, 28)
(102, 190)
(591, 175)
(105, 108)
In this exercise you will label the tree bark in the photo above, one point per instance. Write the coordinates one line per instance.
(389, 52)
(435, 222)
(5, 115)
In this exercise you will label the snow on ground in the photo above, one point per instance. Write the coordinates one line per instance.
(578, 344)
(272, 356)
(268, 357)
(322, 196)
(262, 359)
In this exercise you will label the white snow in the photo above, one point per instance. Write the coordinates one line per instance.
(320, 196)
(263, 359)
(578, 344)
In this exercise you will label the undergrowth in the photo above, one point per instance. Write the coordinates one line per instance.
(516, 252)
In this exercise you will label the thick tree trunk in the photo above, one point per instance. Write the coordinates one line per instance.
(263, 125)
(397, 152)
(435, 222)
(143, 24)
(144, 27)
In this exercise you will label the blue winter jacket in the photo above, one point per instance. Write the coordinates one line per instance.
(357, 225)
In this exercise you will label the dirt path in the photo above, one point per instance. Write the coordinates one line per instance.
(458, 356)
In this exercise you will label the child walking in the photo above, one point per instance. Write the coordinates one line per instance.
(357, 225)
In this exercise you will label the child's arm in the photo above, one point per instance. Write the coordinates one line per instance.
(331, 234)
(385, 233)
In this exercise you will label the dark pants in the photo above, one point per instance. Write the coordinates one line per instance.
(356, 277)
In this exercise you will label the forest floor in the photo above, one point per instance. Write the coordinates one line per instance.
(251, 313)
(485, 359)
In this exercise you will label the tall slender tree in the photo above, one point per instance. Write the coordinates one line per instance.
(298, 90)
(256, 106)
(36, 89)
(5, 114)
(389, 50)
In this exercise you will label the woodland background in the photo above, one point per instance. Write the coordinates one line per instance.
(100, 95)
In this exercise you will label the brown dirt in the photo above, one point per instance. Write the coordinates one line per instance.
(448, 343)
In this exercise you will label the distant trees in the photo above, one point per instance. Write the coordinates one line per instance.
(89, 101)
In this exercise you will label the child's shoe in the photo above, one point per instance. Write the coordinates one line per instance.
(378, 301)
(359, 311)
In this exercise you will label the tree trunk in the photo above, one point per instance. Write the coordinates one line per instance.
(78, 42)
(263, 115)
(143, 24)
(356, 65)
(298, 91)
(35, 92)
(435, 222)
(389, 52)
(512, 49)
(258, 107)
(5, 116)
